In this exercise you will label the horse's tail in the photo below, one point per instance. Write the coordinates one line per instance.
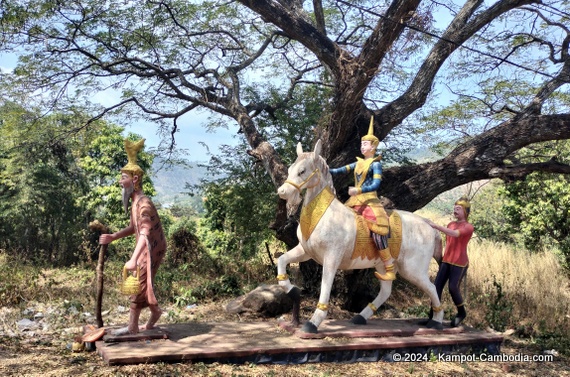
(438, 248)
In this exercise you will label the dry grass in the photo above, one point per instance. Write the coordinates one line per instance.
(535, 300)
(534, 284)
(514, 289)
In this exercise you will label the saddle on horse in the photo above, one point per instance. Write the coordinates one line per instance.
(365, 247)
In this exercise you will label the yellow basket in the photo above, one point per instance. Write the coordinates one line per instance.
(130, 284)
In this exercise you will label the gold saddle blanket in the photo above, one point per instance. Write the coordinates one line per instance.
(364, 246)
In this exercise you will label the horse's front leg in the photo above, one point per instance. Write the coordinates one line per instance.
(330, 267)
(296, 254)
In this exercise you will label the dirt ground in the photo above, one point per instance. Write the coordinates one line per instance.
(48, 353)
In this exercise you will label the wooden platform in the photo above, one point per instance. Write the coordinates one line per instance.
(277, 343)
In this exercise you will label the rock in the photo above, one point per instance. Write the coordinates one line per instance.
(88, 317)
(266, 300)
(26, 325)
(509, 332)
(552, 352)
(28, 312)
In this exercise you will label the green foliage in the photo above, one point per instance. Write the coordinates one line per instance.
(540, 204)
(499, 307)
(548, 339)
(184, 246)
(240, 200)
(237, 215)
(222, 286)
(418, 310)
(206, 290)
(537, 208)
(40, 183)
(185, 297)
(56, 177)
(487, 215)
(101, 163)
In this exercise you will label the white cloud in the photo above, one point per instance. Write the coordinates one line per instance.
(7, 62)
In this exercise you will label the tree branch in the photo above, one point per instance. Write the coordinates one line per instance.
(298, 27)
(519, 172)
(413, 187)
(459, 31)
(319, 16)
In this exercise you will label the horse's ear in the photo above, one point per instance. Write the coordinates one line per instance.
(299, 149)
(318, 147)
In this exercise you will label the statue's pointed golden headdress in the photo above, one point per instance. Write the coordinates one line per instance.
(133, 149)
(370, 136)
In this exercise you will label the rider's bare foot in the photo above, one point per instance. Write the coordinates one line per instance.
(154, 317)
(145, 327)
(124, 331)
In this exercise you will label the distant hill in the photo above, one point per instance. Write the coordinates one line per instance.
(422, 154)
(170, 182)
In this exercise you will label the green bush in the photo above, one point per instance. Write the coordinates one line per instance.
(499, 308)
(554, 340)
(19, 282)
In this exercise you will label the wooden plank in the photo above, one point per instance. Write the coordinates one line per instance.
(267, 342)
(374, 328)
(156, 333)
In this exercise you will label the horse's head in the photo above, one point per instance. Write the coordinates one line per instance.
(305, 173)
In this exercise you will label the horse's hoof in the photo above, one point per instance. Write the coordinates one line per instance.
(294, 294)
(424, 322)
(309, 327)
(358, 320)
(434, 325)
(457, 320)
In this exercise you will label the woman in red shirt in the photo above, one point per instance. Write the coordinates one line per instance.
(455, 261)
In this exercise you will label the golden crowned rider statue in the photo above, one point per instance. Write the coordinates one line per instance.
(364, 198)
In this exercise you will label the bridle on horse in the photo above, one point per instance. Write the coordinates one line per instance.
(299, 186)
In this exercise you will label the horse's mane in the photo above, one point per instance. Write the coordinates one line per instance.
(325, 174)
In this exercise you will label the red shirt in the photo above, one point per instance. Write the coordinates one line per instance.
(456, 247)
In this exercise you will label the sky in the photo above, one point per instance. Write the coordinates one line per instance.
(190, 137)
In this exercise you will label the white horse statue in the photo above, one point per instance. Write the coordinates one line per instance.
(327, 233)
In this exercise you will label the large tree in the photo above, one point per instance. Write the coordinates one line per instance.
(398, 60)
